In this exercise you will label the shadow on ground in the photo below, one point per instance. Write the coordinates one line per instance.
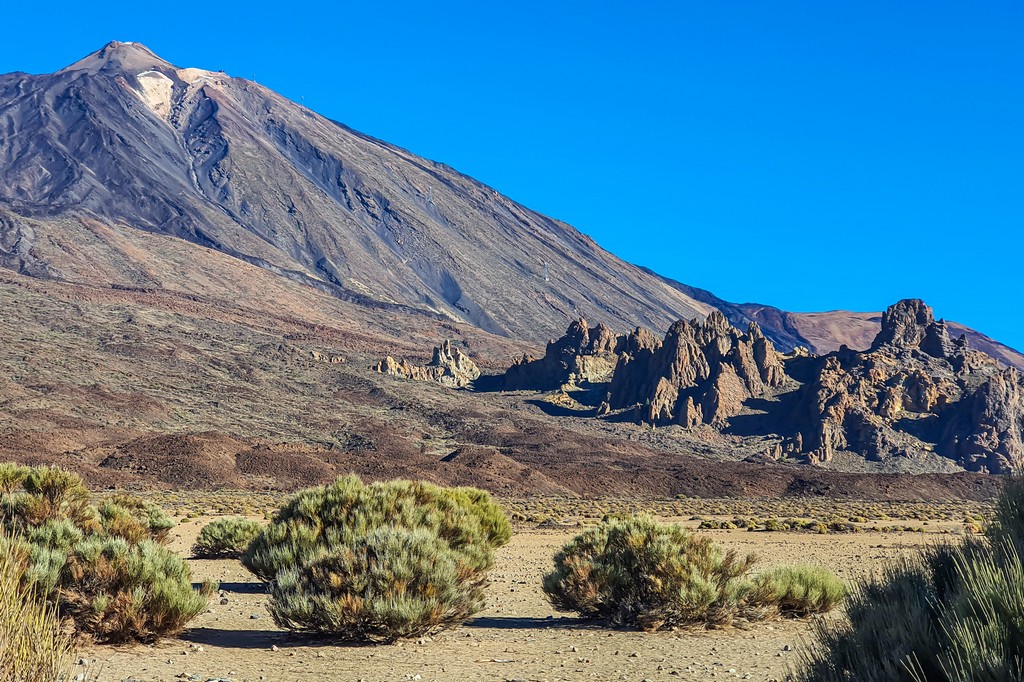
(244, 588)
(261, 639)
(513, 623)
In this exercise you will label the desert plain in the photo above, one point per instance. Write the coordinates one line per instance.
(520, 636)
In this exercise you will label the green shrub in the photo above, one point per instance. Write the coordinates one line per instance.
(635, 571)
(801, 590)
(134, 519)
(33, 644)
(317, 519)
(378, 562)
(104, 567)
(120, 591)
(12, 476)
(46, 494)
(226, 538)
(1008, 522)
(951, 614)
(389, 584)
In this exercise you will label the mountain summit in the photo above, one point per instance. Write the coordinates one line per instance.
(130, 140)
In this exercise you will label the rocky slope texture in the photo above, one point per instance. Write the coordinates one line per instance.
(914, 395)
(448, 367)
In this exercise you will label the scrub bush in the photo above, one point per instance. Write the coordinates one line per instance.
(378, 562)
(103, 567)
(389, 584)
(340, 513)
(635, 571)
(800, 591)
(952, 614)
(34, 646)
(226, 538)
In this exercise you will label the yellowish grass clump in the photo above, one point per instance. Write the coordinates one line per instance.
(34, 645)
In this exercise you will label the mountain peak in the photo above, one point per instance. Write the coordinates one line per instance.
(121, 56)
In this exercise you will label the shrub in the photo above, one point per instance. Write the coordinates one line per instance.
(378, 562)
(120, 591)
(801, 590)
(103, 567)
(134, 519)
(226, 538)
(1008, 523)
(33, 644)
(635, 571)
(319, 518)
(389, 584)
(952, 614)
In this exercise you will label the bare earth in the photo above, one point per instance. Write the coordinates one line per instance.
(518, 637)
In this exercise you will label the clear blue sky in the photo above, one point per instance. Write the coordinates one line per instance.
(809, 155)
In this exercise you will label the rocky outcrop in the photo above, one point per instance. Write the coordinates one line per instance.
(985, 431)
(915, 395)
(915, 391)
(702, 372)
(904, 325)
(449, 367)
(584, 355)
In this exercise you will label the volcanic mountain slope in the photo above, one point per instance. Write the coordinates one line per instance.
(123, 139)
(914, 394)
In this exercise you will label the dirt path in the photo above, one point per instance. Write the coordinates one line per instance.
(518, 637)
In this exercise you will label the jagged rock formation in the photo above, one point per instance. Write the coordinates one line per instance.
(913, 392)
(986, 430)
(826, 332)
(449, 367)
(582, 356)
(702, 372)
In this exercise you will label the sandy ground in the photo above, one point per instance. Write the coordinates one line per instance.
(518, 637)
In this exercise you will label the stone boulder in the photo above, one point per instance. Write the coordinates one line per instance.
(448, 367)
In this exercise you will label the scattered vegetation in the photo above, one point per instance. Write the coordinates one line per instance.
(812, 525)
(380, 561)
(226, 538)
(105, 566)
(34, 646)
(635, 571)
(953, 614)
